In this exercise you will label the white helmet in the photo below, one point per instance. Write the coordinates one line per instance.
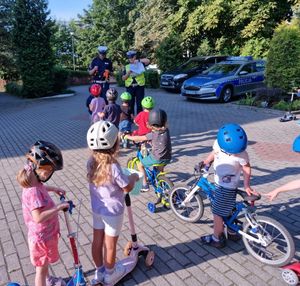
(102, 135)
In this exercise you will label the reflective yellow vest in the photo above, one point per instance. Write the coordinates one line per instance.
(140, 79)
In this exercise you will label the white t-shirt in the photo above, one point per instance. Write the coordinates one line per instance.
(228, 167)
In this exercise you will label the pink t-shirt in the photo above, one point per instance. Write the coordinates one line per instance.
(34, 198)
(97, 105)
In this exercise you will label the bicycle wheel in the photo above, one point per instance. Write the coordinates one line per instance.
(165, 185)
(280, 247)
(192, 211)
(132, 163)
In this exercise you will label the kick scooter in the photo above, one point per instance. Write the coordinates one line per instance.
(133, 250)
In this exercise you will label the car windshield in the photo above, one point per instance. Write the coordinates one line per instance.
(190, 65)
(222, 69)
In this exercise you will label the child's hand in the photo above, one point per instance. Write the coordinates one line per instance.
(271, 195)
(63, 206)
(60, 192)
(250, 191)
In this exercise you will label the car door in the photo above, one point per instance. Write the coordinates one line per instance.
(245, 79)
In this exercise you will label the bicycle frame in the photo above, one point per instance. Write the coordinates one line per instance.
(240, 208)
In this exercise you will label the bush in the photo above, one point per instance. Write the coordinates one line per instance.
(283, 64)
(152, 78)
(284, 105)
(169, 53)
(79, 74)
(60, 77)
(14, 88)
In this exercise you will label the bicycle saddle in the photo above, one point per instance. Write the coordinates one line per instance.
(247, 198)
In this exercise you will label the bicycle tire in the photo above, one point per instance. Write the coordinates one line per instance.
(166, 185)
(177, 195)
(262, 252)
(132, 163)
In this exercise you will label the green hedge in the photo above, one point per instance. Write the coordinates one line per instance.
(60, 77)
(14, 88)
(151, 77)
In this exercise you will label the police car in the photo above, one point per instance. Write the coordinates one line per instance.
(233, 77)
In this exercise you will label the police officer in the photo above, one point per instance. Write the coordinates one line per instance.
(100, 68)
(135, 80)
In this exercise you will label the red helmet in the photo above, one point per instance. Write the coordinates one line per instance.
(95, 89)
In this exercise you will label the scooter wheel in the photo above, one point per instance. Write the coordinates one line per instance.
(149, 258)
(128, 248)
(290, 277)
(151, 207)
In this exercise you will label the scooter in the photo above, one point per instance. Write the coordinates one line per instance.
(133, 250)
(78, 277)
(289, 116)
(291, 273)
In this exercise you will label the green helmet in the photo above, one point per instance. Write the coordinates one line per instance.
(126, 96)
(148, 102)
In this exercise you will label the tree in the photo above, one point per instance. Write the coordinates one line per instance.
(8, 68)
(31, 37)
(283, 64)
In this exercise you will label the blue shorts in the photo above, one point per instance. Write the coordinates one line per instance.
(224, 201)
(125, 126)
(150, 161)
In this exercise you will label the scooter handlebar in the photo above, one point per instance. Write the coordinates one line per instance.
(71, 204)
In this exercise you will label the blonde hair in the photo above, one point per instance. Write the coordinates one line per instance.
(99, 171)
(25, 178)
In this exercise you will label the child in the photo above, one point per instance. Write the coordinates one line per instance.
(230, 158)
(107, 185)
(97, 104)
(126, 117)
(141, 119)
(39, 211)
(291, 186)
(161, 143)
(112, 111)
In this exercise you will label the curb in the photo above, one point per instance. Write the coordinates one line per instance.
(264, 110)
(57, 96)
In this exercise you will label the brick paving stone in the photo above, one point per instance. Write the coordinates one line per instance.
(181, 257)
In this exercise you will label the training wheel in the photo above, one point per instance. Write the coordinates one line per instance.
(151, 207)
(290, 277)
(149, 258)
(127, 248)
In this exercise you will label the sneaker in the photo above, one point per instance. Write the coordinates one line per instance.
(114, 277)
(232, 235)
(98, 278)
(145, 189)
(55, 281)
(209, 240)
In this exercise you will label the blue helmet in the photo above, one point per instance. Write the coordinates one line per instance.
(232, 138)
(296, 144)
(131, 54)
(13, 284)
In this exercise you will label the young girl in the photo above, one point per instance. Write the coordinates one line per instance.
(107, 185)
(39, 211)
(161, 143)
(97, 103)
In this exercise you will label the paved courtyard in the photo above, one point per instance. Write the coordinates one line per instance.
(180, 259)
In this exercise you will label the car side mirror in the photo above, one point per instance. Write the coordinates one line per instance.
(243, 73)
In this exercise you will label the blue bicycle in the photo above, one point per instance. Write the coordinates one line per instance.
(155, 177)
(264, 238)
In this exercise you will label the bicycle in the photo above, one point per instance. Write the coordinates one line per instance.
(155, 177)
(264, 238)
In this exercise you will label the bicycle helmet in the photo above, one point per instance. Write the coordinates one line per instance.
(148, 102)
(232, 138)
(95, 89)
(102, 135)
(126, 96)
(112, 94)
(157, 118)
(296, 144)
(44, 153)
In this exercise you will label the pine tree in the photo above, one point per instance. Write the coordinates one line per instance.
(31, 37)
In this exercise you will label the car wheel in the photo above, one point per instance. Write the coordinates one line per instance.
(227, 94)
